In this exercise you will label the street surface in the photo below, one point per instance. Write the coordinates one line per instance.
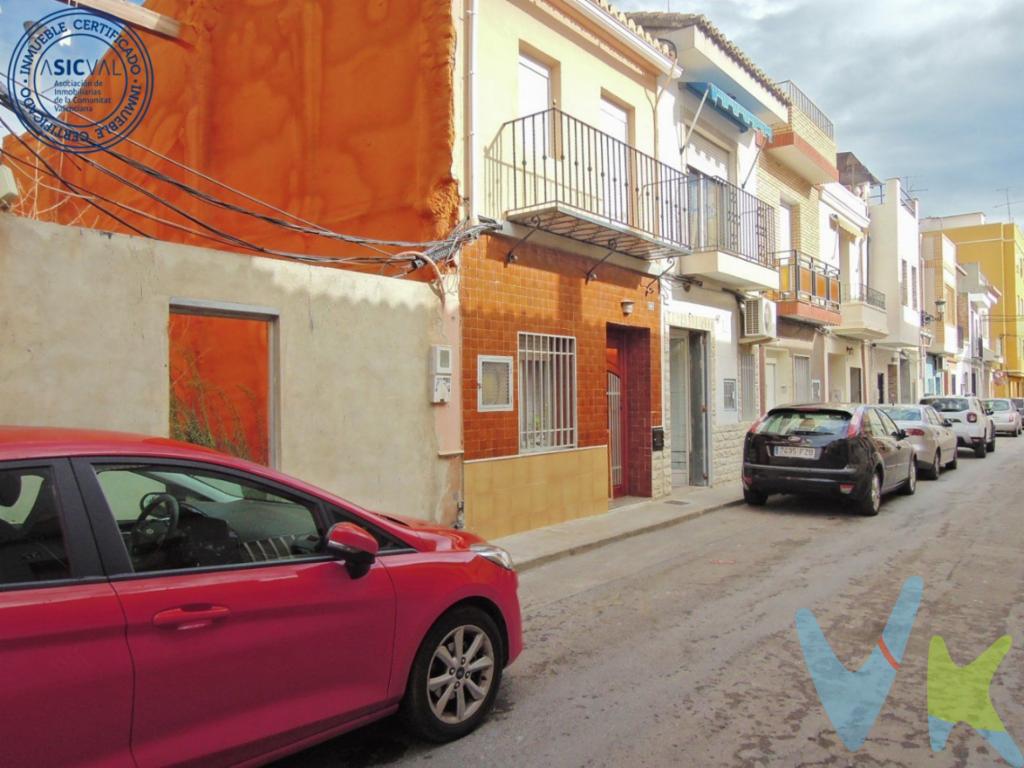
(678, 647)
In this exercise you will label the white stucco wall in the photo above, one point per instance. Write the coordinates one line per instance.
(83, 328)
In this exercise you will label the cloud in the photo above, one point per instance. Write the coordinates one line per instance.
(922, 88)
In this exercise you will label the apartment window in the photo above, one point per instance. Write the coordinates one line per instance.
(913, 287)
(729, 394)
(748, 386)
(494, 383)
(535, 97)
(547, 392)
(785, 234)
(903, 283)
(534, 86)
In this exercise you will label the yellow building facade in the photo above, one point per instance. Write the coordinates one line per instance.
(998, 249)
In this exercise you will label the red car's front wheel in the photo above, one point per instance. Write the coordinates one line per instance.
(455, 676)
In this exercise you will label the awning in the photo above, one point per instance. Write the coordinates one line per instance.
(849, 227)
(731, 108)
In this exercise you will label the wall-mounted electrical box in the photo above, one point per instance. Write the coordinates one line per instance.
(440, 373)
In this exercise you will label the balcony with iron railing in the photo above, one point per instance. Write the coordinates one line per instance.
(806, 143)
(877, 196)
(554, 173)
(802, 101)
(862, 313)
(808, 289)
(864, 293)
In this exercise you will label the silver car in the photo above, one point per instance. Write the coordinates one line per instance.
(932, 436)
(1005, 415)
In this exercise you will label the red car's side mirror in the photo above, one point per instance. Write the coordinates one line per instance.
(349, 542)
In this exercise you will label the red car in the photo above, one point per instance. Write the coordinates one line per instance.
(166, 604)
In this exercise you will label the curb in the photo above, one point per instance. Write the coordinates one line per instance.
(526, 565)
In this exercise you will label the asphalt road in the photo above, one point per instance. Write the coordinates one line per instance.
(679, 647)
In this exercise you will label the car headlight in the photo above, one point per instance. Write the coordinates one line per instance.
(496, 555)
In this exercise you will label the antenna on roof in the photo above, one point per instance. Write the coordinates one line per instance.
(1008, 203)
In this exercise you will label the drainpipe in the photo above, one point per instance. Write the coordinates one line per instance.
(469, 107)
(469, 16)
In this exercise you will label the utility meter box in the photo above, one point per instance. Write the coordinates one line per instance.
(440, 373)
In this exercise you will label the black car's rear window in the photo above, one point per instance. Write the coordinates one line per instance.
(950, 404)
(804, 423)
(1019, 402)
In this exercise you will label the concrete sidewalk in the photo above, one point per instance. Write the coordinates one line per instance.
(533, 548)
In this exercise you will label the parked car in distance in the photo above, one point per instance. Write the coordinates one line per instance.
(854, 452)
(1018, 403)
(193, 608)
(973, 425)
(1005, 415)
(932, 436)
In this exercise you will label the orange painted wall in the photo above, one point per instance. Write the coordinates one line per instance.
(339, 111)
(545, 291)
(220, 382)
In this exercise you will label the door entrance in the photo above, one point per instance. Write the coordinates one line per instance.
(698, 410)
(769, 385)
(856, 391)
(616, 423)
(688, 401)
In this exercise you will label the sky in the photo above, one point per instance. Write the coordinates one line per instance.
(925, 89)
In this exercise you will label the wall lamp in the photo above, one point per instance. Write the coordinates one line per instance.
(627, 307)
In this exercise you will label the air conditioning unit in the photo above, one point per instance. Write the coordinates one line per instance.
(759, 320)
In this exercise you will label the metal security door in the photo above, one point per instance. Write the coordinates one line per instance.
(615, 433)
(856, 392)
(698, 411)
(802, 378)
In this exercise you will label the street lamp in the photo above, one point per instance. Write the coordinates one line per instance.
(940, 308)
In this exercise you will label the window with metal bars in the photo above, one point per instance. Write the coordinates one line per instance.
(547, 392)
(903, 283)
(748, 388)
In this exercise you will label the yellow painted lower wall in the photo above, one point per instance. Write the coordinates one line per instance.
(518, 493)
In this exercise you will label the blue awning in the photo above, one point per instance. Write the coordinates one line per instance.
(731, 108)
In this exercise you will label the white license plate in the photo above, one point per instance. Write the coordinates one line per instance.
(794, 452)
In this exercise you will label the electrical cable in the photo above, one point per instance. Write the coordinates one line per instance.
(434, 252)
(48, 167)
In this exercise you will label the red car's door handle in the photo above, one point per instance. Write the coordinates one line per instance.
(190, 616)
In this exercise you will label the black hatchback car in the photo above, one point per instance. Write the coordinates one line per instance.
(854, 452)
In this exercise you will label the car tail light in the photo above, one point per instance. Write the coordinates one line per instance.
(915, 431)
(972, 417)
(846, 487)
(756, 424)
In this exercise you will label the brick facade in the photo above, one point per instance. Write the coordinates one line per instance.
(776, 184)
(545, 291)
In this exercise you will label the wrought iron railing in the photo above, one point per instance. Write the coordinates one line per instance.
(801, 101)
(876, 194)
(864, 293)
(906, 199)
(722, 217)
(553, 159)
(804, 278)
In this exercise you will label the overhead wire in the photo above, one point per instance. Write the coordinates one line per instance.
(433, 252)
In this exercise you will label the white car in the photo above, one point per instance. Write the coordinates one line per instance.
(932, 436)
(1005, 416)
(971, 422)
